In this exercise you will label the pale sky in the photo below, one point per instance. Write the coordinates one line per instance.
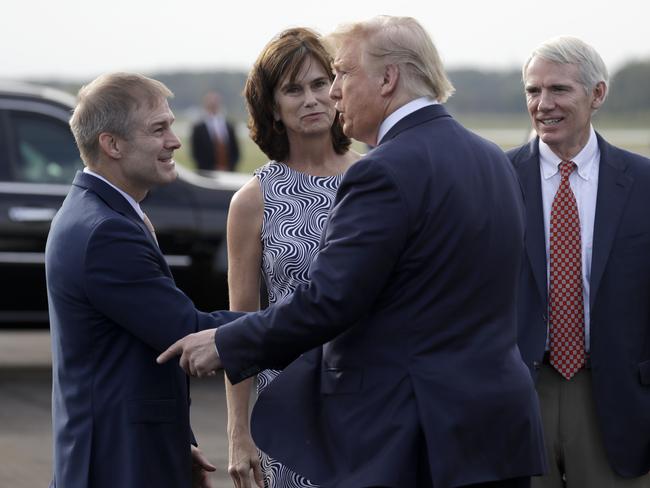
(79, 39)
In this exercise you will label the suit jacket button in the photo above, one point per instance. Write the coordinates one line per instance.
(536, 364)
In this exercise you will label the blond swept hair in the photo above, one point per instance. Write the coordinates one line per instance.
(403, 42)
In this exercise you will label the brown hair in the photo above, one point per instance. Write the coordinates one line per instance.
(109, 104)
(283, 56)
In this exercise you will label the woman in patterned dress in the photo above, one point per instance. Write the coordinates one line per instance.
(276, 219)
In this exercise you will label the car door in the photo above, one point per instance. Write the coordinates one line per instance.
(38, 160)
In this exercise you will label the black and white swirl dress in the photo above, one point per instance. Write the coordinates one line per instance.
(295, 210)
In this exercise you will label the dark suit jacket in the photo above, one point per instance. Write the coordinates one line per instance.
(119, 419)
(203, 147)
(414, 288)
(619, 297)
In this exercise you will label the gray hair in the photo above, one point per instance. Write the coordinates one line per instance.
(571, 50)
(108, 104)
(401, 41)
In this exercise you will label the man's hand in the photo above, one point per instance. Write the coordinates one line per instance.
(244, 458)
(200, 468)
(198, 354)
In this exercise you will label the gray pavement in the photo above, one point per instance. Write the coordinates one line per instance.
(25, 421)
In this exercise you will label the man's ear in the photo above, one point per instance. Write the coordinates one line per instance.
(109, 145)
(390, 79)
(599, 92)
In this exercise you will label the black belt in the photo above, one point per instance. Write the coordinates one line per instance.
(547, 360)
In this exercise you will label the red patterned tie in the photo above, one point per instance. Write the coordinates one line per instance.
(565, 290)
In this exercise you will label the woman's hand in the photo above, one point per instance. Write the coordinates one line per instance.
(243, 458)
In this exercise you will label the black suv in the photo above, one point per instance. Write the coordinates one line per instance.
(38, 160)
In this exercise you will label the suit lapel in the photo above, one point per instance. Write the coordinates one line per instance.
(527, 167)
(118, 203)
(112, 198)
(614, 186)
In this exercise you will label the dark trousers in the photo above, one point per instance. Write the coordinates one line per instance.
(574, 444)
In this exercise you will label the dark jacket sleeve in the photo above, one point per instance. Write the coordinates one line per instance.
(363, 240)
(126, 282)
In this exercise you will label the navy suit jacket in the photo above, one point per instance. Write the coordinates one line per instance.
(203, 151)
(619, 298)
(119, 419)
(414, 289)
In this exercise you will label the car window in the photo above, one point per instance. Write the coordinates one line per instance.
(45, 149)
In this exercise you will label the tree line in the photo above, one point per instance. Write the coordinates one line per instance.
(477, 91)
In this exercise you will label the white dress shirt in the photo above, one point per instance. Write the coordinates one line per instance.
(402, 112)
(217, 127)
(584, 183)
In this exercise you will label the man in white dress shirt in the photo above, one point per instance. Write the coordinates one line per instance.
(584, 300)
(119, 420)
(420, 382)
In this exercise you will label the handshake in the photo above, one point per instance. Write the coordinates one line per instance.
(198, 354)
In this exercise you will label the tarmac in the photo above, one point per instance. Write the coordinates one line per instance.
(25, 413)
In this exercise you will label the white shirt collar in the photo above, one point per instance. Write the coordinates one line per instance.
(129, 198)
(402, 112)
(585, 160)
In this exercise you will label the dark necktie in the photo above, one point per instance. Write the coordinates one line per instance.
(566, 309)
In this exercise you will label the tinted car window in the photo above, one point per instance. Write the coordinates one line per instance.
(38, 160)
(45, 149)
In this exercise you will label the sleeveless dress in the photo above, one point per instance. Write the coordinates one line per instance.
(296, 206)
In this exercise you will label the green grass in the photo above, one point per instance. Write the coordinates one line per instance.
(493, 121)
(251, 156)
(632, 132)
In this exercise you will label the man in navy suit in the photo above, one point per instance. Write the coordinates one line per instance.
(213, 140)
(119, 420)
(419, 382)
(584, 314)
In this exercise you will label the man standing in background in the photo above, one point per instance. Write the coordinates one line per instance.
(213, 140)
(584, 299)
